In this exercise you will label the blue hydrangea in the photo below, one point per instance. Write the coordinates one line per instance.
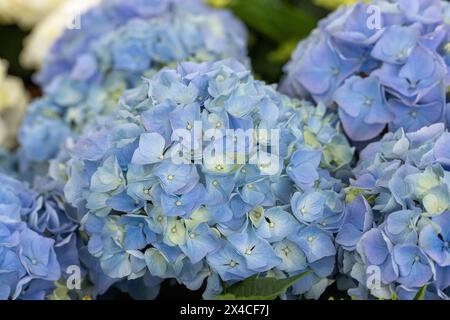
(382, 63)
(105, 18)
(88, 72)
(40, 245)
(170, 189)
(28, 259)
(394, 239)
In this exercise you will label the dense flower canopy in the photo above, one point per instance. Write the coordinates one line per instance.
(161, 199)
(38, 43)
(110, 15)
(41, 248)
(398, 224)
(383, 63)
(155, 155)
(90, 89)
(28, 258)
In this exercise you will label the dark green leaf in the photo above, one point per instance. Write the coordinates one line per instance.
(276, 19)
(256, 288)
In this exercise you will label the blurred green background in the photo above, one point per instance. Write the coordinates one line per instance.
(275, 28)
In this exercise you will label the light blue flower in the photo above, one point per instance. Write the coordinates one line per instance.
(413, 266)
(229, 264)
(200, 241)
(176, 179)
(257, 252)
(315, 243)
(434, 242)
(308, 207)
(303, 167)
(383, 68)
(405, 187)
(362, 106)
(88, 69)
(146, 213)
(358, 220)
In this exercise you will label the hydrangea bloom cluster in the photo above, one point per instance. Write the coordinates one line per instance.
(40, 247)
(169, 191)
(37, 45)
(28, 259)
(99, 21)
(395, 236)
(91, 88)
(382, 63)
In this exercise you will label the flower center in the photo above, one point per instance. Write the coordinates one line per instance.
(220, 78)
(368, 101)
(335, 71)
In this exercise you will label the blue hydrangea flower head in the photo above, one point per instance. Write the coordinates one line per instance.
(40, 247)
(119, 44)
(107, 17)
(28, 259)
(394, 239)
(187, 180)
(381, 63)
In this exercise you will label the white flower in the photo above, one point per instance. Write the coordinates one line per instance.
(13, 103)
(26, 13)
(47, 31)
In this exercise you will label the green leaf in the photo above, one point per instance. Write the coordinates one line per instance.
(421, 293)
(256, 288)
(283, 52)
(277, 20)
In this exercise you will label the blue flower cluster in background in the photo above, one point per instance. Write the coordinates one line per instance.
(101, 20)
(204, 218)
(84, 81)
(398, 225)
(382, 63)
(29, 260)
